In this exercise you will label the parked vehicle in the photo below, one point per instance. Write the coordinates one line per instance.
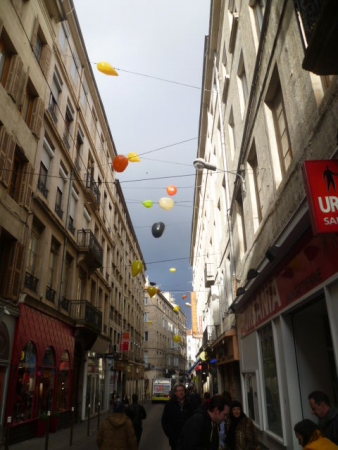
(161, 390)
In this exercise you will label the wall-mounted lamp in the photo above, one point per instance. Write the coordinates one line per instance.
(240, 291)
(252, 273)
(200, 164)
(272, 252)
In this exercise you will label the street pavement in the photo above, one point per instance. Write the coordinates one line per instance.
(152, 436)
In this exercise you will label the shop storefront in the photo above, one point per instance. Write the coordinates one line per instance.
(41, 370)
(288, 339)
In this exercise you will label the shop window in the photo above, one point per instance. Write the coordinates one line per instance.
(46, 382)
(270, 381)
(25, 382)
(62, 383)
(251, 395)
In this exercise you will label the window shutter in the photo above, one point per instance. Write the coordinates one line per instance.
(22, 93)
(15, 71)
(7, 149)
(11, 288)
(37, 116)
(25, 195)
(46, 54)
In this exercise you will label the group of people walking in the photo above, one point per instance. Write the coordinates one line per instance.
(192, 422)
(192, 426)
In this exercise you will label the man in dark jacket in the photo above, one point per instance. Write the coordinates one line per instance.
(175, 413)
(136, 414)
(201, 430)
(327, 415)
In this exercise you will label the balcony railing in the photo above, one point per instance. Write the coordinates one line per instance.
(86, 314)
(31, 282)
(64, 304)
(50, 294)
(209, 335)
(51, 110)
(88, 242)
(92, 186)
(65, 141)
(58, 210)
(42, 188)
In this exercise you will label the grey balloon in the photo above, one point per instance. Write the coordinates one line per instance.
(157, 229)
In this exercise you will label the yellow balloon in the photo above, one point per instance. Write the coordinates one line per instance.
(136, 267)
(172, 270)
(166, 203)
(133, 157)
(177, 338)
(107, 69)
(152, 290)
(203, 356)
(176, 308)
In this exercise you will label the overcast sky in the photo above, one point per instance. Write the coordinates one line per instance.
(160, 39)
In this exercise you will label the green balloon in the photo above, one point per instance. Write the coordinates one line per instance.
(147, 203)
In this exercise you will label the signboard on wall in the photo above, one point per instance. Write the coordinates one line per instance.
(321, 185)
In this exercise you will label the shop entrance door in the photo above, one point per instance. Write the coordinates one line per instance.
(314, 352)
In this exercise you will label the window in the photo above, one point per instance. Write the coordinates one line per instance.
(11, 68)
(146, 317)
(27, 104)
(279, 140)
(25, 385)
(270, 380)
(33, 249)
(255, 186)
(146, 335)
(69, 118)
(40, 47)
(146, 300)
(56, 89)
(58, 203)
(42, 181)
(72, 210)
(258, 7)
(240, 225)
(231, 128)
(243, 84)
(78, 146)
(54, 249)
(74, 68)
(63, 390)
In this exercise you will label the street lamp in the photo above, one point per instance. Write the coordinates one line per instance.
(200, 164)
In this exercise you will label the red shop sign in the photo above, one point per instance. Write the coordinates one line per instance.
(321, 182)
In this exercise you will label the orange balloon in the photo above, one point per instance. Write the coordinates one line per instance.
(184, 297)
(120, 163)
(171, 190)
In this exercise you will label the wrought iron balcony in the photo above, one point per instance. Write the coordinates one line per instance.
(50, 294)
(64, 304)
(58, 210)
(90, 247)
(42, 188)
(93, 189)
(319, 21)
(86, 315)
(209, 335)
(31, 282)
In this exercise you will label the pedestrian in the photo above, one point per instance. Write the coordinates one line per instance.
(194, 400)
(117, 432)
(201, 430)
(175, 413)
(310, 437)
(125, 400)
(241, 433)
(327, 415)
(136, 414)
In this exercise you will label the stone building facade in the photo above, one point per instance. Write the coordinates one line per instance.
(268, 313)
(67, 296)
(165, 344)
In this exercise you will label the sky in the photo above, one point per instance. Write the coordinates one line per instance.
(145, 40)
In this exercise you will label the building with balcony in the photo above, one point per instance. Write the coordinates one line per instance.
(165, 344)
(269, 274)
(66, 239)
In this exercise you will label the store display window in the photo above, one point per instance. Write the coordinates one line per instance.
(63, 382)
(46, 381)
(25, 382)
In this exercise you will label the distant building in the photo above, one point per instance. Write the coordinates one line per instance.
(165, 347)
